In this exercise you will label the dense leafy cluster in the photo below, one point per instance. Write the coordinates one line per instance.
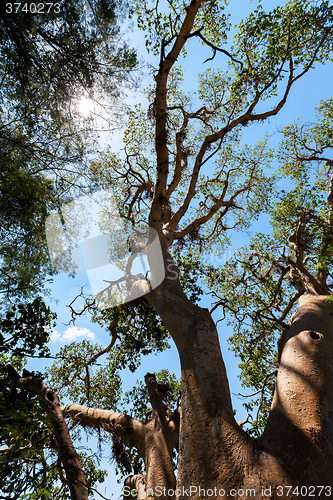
(139, 329)
(24, 203)
(25, 328)
(24, 433)
(48, 61)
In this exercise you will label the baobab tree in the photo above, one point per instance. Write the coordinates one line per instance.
(186, 175)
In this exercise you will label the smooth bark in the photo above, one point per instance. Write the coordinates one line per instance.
(154, 440)
(299, 431)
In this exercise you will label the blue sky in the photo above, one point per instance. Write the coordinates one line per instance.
(304, 97)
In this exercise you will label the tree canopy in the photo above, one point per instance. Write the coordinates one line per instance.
(51, 56)
(48, 62)
(186, 172)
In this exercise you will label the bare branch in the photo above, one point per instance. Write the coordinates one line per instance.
(327, 250)
(213, 210)
(113, 330)
(156, 394)
(162, 153)
(299, 275)
(241, 424)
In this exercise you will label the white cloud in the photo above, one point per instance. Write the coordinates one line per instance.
(72, 333)
(54, 335)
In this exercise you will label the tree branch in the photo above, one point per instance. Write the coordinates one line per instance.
(305, 278)
(124, 426)
(196, 223)
(162, 154)
(327, 250)
(67, 452)
(156, 394)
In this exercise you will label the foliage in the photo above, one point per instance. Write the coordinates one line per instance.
(139, 329)
(137, 400)
(79, 376)
(272, 50)
(259, 287)
(25, 328)
(30, 466)
(184, 159)
(245, 288)
(24, 432)
(24, 203)
(48, 61)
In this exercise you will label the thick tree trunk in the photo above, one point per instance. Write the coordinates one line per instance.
(296, 448)
(159, 443)
(299, 431)
(294, 457)
(211, 444)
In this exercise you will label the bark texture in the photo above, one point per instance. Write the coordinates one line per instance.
(296, 449)
(216, 457)
(299, 430)
(154, 440)
(207, 424)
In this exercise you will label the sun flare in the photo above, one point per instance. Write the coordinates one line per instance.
(85, 106)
